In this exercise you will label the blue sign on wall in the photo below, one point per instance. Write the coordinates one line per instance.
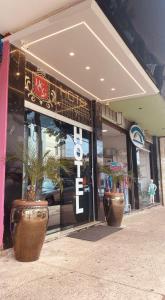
(137, 136)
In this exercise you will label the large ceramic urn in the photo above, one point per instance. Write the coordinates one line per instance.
(114, 208)
(28, 227)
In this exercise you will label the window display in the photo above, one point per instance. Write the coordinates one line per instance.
(115, 157)
(144, 175)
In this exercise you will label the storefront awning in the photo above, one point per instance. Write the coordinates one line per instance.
(81, 48)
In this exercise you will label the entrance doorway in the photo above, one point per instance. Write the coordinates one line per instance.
(44, 133)
(115, 157)
(144, 175)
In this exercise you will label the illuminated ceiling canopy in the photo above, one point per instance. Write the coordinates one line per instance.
(81, 48)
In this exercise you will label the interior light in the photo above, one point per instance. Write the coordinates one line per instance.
(101, 79)
(104, 130)
(17, 74)
(87, 67)
(113, 89)
(72, 54)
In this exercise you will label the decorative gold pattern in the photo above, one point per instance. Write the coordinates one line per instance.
(58, 97)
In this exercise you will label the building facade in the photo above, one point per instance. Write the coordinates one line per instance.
(68, 95)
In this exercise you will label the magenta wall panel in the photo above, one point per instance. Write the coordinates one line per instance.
(4, 73)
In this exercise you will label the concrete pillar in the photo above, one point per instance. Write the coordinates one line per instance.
(162, 160)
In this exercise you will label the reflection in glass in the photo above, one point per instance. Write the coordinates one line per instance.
(43, 134)
(144, 176)
(115, 156)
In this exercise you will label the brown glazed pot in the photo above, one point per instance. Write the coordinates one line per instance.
(28, 227)
(114, 208)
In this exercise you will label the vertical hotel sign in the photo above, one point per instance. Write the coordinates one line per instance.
(78, 162)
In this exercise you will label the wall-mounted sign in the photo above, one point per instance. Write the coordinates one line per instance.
(78, 156)
(137, 136)
(46, 91)
(40, 87)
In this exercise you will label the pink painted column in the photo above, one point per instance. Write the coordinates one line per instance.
(4, 74)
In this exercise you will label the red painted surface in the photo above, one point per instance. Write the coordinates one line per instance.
(4, 72)
(40, 87)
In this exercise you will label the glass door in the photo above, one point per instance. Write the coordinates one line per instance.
(76, 198)
(144, 175)
(115, 157)
(73, 204)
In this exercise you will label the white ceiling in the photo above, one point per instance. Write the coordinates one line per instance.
(18, 14)
(84, 30)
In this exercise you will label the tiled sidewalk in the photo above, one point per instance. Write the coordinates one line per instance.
(96, 263)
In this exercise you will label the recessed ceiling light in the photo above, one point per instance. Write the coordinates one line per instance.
(71, 53)
(25, 48)
(104, 130)
(17, 73)
(140, 107)
(101, 79)
(87, 67)
(113, 89)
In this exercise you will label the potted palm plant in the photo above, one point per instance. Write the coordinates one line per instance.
(114, 200)
(29, 216)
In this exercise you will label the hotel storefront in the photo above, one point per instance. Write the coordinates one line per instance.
(45, 115)
(56, 89)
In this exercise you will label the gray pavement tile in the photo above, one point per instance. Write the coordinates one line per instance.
(70, 285)
(99, 262)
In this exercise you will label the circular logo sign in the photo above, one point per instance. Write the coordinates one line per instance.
(137, 136)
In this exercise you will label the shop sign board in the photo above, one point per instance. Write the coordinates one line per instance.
(78, 162)
(137, 136)
(47, 92)
(117, 166)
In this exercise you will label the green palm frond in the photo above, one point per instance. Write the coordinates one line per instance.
(37, 168)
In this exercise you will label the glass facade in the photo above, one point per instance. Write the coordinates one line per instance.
(135, 165)
(115, 157)
(69, 126)
(43, 134)
(47, 115)
(144, 175)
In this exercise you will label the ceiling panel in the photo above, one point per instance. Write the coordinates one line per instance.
(12, 13)
(88, 52)
(84, 30)
(148, 112)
